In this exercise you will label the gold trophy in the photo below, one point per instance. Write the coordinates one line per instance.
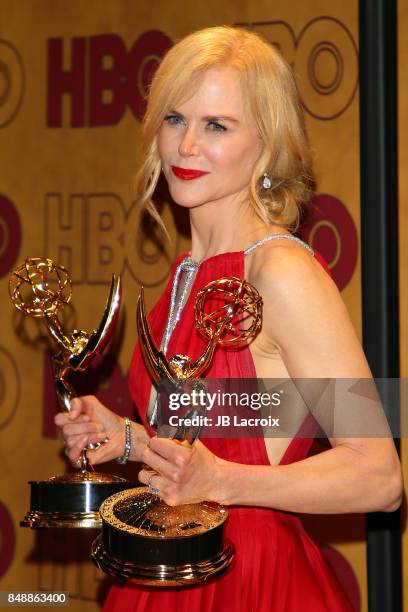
(40, 289)
(143, 539)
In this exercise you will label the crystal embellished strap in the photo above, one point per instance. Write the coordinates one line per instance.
(177, 303)
(274, 237)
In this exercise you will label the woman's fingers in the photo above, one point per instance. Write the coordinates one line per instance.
(74, 447)
(158, 463)
(176, 452)
(106, 452)
(170, 458)
(90, 422)
(62, 418)
(78, 417)
(76, 444)
(170, 492)
(74, 429)
(82, 409)
(155, 480)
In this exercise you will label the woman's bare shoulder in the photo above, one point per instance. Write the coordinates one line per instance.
(283, 266)
(304, 314)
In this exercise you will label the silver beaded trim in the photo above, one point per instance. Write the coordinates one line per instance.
(190, 267)
(274, 237)
(176, 306)
(128, 443)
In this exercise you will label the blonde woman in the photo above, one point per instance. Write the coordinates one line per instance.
(225, 127)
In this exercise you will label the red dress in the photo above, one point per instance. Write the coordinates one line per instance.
(277, 567)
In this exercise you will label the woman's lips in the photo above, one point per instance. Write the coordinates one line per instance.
(187, 175)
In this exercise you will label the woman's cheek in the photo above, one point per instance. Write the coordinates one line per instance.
(165, 142)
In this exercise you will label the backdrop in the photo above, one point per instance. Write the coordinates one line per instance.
(73, 79)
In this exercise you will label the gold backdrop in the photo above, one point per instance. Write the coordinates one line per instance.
(73, 78)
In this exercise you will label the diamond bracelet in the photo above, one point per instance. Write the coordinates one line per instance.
(128, 444)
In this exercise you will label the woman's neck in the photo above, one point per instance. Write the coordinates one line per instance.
(220, 227)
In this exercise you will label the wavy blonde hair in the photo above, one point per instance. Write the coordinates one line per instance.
(270, 89)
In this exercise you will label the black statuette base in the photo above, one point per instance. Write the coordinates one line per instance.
(69, 504)
(162, 575)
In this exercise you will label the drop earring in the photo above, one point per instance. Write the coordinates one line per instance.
(266, 181)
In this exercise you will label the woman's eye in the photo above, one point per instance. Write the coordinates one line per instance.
(213, 126)
(173, 119)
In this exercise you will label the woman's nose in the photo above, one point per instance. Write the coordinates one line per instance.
(189, 143)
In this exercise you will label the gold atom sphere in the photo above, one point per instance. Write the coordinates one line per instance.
(228, 307)
(40, 288)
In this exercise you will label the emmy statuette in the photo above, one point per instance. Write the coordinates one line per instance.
(143, 539)
(40, 289)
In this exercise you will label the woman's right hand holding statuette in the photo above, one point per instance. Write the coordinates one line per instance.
(89, 422)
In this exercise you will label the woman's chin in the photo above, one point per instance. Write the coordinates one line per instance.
(188, 203)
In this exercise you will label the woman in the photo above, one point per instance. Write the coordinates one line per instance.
(224, 126)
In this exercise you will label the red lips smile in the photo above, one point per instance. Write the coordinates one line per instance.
(187, 175)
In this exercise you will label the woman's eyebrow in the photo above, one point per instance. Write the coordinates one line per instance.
(220, 118)
(207, 117)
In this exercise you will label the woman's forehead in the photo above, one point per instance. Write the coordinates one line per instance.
(218, 91)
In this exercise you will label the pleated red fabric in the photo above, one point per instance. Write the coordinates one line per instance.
(277, 567)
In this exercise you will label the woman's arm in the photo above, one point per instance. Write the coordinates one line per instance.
(306, 320)
(346, 478)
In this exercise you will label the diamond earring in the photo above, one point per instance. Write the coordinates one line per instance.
(266, 181)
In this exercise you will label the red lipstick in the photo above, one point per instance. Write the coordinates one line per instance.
(187, 175)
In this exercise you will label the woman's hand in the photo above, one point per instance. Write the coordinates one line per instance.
(185, 474)
(89, 422)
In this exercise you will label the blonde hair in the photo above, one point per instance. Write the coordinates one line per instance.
(270, 88)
